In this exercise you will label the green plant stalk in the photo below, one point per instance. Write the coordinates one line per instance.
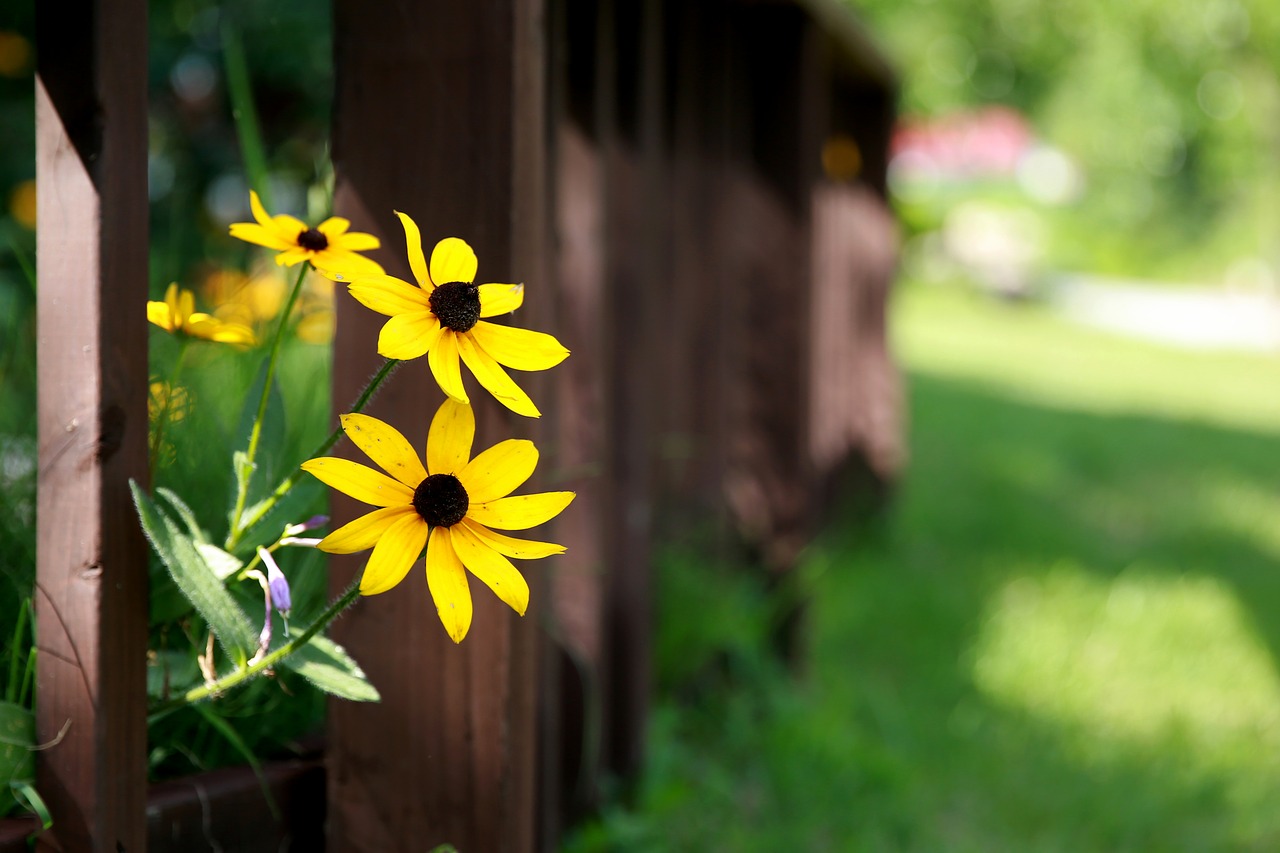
(289, 482)
(244, 673)
(255, 434)
(244, 113)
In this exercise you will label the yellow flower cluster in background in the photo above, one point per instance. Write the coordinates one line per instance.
(177, 314)
(256, 299)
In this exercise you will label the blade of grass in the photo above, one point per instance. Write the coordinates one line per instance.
(26, 792)
(240, 90)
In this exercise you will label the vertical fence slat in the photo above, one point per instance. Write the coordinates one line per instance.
(439, 113)
(91, 597)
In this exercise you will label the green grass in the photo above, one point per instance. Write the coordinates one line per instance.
(1061, 637)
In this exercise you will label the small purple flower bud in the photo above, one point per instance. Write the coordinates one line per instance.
(277, 583)
(310, 524)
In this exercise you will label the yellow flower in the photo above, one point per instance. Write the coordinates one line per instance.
(449, 506)
(177, 314)
(442, 319)
(329, 244)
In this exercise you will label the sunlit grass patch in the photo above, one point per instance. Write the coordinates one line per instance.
(1145, 657)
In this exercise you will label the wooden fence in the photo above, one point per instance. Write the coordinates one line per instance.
(654, 170)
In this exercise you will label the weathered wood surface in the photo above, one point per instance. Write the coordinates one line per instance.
(439, 112)
(91, 595)
(857, 419)
(226, 809)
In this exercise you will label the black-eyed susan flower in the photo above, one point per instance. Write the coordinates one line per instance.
(443, 318)
(450, 506)
(177, 314)
(328, 245)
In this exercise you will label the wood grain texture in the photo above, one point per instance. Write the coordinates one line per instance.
(91, 598)
(439, 112)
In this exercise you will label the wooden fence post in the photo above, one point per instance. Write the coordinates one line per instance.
(439, 112)
(91, 585)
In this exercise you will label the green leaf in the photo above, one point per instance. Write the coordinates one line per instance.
(185, 514)
(222, 564)
(196, 579)
(170, 672)
(17, 760)
(27, 793)
(328, 666)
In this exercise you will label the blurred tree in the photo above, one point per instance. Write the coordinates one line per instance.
(1172, 107)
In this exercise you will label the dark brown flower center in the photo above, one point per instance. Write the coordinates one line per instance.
(441, 500)
(457, 304)
(313, 240)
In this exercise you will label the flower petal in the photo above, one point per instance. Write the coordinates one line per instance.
(159, 314)
(520, 549)
(453, 429)
(443, 359)
(498, 299)
(417, 262)
(384, 444)
(447, 580)
(293, 256)
(453, 260)
(356, 241)
(500, 470)
(358, 481)
(171, 299)
(258, 235)
(522, 349)
(289, 227)
(495, 379)
(407, 336)
(365, 532)
(520, 512)
(259, 212)
(334, 226)
(186, 307)
(492, 568)
(387, 294)
(394, 555)
(343, 264)
(213, 329)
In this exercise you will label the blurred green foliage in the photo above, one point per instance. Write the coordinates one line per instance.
(1171, 108)
(1062, 639)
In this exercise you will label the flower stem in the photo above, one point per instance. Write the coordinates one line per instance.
(256, 433)
(244, 673)
(260, 511)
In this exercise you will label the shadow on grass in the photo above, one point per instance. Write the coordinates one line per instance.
(1061, 639)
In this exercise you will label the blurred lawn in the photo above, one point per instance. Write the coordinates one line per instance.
(1061, 638)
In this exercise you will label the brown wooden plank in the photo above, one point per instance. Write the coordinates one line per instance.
(439, 113)
(629, 108)
(856, 435)
(226, 809)
(91, 599)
